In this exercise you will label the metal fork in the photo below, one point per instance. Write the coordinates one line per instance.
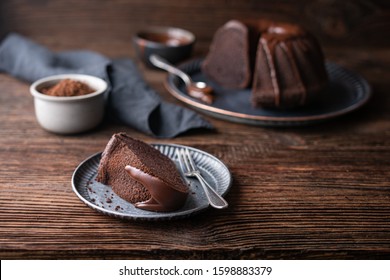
(190, 169)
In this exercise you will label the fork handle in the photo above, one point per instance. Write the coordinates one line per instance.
(214, 198)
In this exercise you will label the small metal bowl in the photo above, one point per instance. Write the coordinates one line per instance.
(173, 44)
(69, 114)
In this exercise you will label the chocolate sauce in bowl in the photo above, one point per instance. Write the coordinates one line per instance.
(165, 38)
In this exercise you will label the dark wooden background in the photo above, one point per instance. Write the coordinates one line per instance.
(106, 24)
(312, 192)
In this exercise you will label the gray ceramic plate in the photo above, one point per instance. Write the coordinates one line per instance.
(346, 92)
(101, 198)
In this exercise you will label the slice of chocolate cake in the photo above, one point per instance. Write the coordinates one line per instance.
(228, 61)
(142, 175)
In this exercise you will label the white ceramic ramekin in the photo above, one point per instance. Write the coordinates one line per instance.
(69, 114)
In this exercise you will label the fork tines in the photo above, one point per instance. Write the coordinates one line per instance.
(186, 162)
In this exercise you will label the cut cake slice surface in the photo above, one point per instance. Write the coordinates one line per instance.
(142, 175)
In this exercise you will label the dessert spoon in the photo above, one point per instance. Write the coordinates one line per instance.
(199, 90)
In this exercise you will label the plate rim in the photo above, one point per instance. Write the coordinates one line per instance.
(160, 215)
(261, 119)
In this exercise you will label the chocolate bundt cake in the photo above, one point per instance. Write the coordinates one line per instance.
(228, 62)
(286, 64)
(142, 175)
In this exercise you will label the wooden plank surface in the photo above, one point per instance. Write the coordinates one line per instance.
(313, 192)
(106, 23)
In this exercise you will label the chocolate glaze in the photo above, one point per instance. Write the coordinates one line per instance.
(287, 66)
(154, 183)
(295, 65)
(281, 35)
(164, 198)
(287, 30)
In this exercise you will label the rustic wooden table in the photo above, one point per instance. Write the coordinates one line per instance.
(313, 192)
(319, 192)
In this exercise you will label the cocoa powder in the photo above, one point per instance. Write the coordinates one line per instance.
(68, 87)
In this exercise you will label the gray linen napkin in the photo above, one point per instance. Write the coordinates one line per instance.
(131, 100)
